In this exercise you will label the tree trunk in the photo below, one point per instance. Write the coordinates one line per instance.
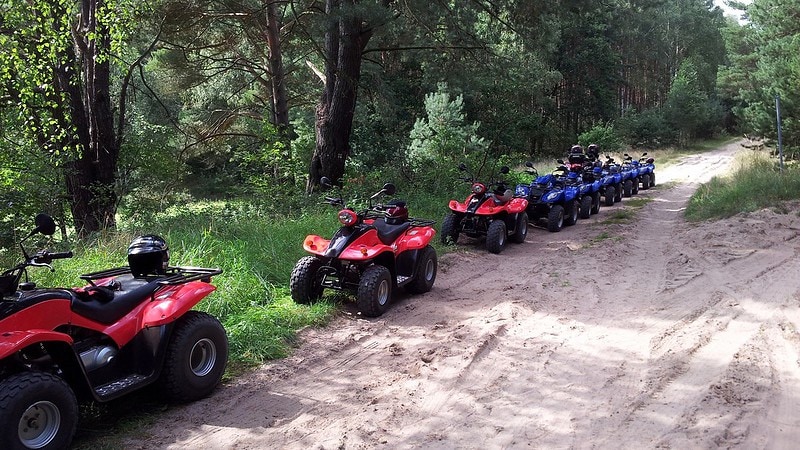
(280, 104)
(91, 176)
(345, 40)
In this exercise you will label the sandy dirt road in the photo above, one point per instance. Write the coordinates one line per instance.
(651, 334)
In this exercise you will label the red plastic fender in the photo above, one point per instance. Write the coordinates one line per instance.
(173, 301)
(46, 315)
(517, 205)
(415, 238)
(315, 245)
(12, 341)
(488, 208)
(366, 247)
(459, 207)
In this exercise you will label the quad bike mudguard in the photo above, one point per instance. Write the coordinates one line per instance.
(347, 244)
(174, 301)
(415, 238)
(13, 341)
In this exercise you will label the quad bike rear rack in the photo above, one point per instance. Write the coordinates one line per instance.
(174, 274)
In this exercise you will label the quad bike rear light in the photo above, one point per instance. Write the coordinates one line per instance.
(478, 188)
(348, 218)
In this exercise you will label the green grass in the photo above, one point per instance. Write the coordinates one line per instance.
(626, 211)
(604, 237)
(637, 202)
(620, 215)
(754, 183)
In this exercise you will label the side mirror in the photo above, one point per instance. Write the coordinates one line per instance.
(325, 182)
(462, 167)
(560, 161)
(504, 170)
(625, 154)
(44, 224)
(529, 164)
(644, 154)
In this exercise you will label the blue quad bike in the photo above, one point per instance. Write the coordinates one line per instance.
(612, 182)
(551, 198)
(582, 174)
(630, 177)
(647, 170)
(590, 192)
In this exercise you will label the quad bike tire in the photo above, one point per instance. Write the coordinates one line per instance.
(520, 228)
(627, 188)
(571, 212)
(595, 202)
(555, 218)
(635, 187)
(496, 236)
(374, 291)
(653, 179)
(586, 207)
(451, 228)
(196, 357)
(425, 276)
(37, 410)
(610, 193)
(646, 181)
(305, 283)
(618, 193)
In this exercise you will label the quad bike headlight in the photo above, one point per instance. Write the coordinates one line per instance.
(478, 188)
(348, 218)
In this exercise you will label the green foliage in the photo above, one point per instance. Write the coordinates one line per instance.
(603, 135)
(764, 62)
(444, 135)
(647, 129)
(444, 139)
(688, 109)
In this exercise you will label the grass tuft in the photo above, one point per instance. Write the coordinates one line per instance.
(755, 183)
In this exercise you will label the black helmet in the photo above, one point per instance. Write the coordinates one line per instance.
(576, 149)
(148, 255)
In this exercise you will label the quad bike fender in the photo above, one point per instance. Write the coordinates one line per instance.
(457, 206)
(14, 341)
(415, 238)
(365, 247)
(316, 245)
(490, 208)
(570, 193)
(172, 302)
(517, 205)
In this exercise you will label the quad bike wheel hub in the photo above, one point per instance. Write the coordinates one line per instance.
(39, 424)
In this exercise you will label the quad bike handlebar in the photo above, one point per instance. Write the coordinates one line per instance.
(42, 258)
(372, 210)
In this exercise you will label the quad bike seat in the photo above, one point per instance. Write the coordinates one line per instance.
(389, 233)
(103, 309)
(503, 197)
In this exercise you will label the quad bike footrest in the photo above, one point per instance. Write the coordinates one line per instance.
(123, 384)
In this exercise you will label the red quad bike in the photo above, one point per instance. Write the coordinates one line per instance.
(376, 251)
(496, 216)
(128, 328)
